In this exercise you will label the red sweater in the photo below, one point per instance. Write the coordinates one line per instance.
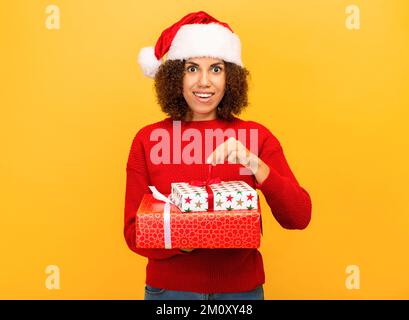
(210, 270)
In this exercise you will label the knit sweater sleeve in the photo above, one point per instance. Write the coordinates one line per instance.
(137, 182)
(289, 202)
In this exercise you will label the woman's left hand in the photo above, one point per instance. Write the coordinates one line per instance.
(235, 152)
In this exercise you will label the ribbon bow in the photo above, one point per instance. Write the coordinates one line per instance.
(206, 183)
(198, 183)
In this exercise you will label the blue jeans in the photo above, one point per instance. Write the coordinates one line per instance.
(152, 293)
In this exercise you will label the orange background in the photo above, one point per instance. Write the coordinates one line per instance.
(72, 100)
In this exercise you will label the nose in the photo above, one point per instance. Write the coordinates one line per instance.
(204, 80)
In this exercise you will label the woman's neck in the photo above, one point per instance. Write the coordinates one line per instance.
(201, 117)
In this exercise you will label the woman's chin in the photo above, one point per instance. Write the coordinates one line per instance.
(203, 110)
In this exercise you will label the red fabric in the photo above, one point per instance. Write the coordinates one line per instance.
(210, 270)
(165, 40)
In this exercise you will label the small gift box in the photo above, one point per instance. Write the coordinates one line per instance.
(160, 224)
(214, 196)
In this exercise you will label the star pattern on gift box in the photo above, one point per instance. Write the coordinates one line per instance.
(228, 195)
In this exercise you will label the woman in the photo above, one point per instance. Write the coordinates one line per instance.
(202, 86)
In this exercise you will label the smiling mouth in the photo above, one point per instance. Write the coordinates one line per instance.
(203, 95)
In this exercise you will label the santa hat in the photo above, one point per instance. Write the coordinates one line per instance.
(195, 35)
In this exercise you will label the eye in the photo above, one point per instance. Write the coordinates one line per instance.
(191, 69)
(217, 69)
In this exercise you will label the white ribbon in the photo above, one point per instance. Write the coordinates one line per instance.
(166, 215)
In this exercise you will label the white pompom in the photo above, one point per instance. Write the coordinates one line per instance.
(148, 62)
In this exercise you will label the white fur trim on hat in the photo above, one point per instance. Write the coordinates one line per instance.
(205, 40)
(148, 61)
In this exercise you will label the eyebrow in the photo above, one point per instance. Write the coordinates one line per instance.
(195, 64)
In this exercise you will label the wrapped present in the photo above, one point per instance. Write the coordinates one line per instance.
(161, 224)
(214, 195)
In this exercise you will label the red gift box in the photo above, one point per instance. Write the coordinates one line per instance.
(210, 229)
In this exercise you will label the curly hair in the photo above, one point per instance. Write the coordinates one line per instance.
(169, 90)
